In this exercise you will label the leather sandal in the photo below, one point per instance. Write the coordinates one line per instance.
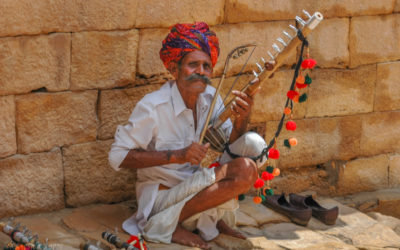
(278, 203)
(327, 216)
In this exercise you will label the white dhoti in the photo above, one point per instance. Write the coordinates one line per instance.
(168, 204)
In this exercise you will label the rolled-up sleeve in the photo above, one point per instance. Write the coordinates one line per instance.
(138, 133)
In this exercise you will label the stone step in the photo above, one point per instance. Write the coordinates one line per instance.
(264, 228)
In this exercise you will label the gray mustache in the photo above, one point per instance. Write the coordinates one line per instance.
(196, 76)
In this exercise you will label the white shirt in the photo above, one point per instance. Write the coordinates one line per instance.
(161, 121)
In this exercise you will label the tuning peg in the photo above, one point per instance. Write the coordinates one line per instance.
(300, 21)
(255, 74)
(263, 60)
(259, 67)
(293, 28)
(270, 55)
(281, 41)
(287, 34)
(276, 47)
(307, 14)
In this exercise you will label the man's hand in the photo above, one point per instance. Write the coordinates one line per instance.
(194, 153)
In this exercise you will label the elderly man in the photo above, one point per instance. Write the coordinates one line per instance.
(179, 201)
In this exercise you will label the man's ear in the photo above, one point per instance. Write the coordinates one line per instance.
(173, 68)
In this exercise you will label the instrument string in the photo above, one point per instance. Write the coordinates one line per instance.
(222, 108)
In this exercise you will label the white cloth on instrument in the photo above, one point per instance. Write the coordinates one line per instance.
(160, 121)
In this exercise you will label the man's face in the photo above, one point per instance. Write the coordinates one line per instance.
(188, 74)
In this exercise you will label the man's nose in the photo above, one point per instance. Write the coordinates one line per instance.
(200, 70)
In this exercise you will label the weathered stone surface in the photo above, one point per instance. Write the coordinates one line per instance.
(103, 59)
(319, 140)
(394, 171)
(389, 221)
(364, 174)
(116, 106)
(165, 13)
(250, 231)
(243, 219)
(32, 62)
(259, 212)
(341, 92)
(387, 94)
(252, 10)
(27, 17)
(48, 120)
(356, 228)
(289, 235)
(397, 6)
(380, 133)
(229, 242)
(31, 183)
(90, 179)
(149, 62)
(329, 43)
(97, 218)
(263, 34)
(8, 141)
(383, 31)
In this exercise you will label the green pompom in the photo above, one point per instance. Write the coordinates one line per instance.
(269, 191)
(270, 169)
(241, 197)
(308, 79)
(303, 98)
(262, 197)
(286, 143)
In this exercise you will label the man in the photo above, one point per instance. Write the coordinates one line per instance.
(175, 195)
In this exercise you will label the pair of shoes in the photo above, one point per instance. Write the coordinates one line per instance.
(327, 216)
(298, 215)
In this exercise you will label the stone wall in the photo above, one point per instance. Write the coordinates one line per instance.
(71, 71)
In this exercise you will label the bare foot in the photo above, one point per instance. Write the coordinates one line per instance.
(184, 237)
(225, 229)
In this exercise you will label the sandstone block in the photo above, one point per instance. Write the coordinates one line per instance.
(364, 174)
(319, 140)
(103, 59)
(31, 183)
(116, 106)
(263, 34)
(90, 179)
(329, 43)
(252, 10)
(48, 120)
(32, 62)
(341, 92)
(165, 13)
(397, 6)
(44, 16)
(8, 141)
(149, 62)
(374, 39)
(387, 94)
(380, 133)
(394, 171)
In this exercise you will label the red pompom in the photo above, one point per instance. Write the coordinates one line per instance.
(259, 183)
(215, 164)
(292, 94)
(308, 63)
(267, 176)
(137, 244)
(273, 153)
(291, 125)
(301, 85)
